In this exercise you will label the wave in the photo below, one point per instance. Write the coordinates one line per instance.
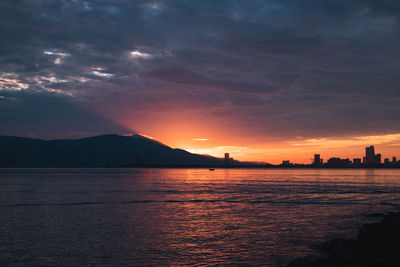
(274, 202)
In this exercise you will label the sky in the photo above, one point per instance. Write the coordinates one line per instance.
(265, 80)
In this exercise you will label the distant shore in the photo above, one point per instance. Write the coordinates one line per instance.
(216, 167)
(377, 244)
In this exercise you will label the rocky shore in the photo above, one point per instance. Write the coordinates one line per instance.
(377, 244)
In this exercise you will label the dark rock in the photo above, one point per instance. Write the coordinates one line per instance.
(304, 261)
(335, 246)
(377, 244)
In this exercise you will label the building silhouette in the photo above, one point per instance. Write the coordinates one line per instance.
(378, 159)
(338, 163)
(370, 157)
(227, 160)
(286, 163)
(317, 160)
(370, 160)
(357, 162)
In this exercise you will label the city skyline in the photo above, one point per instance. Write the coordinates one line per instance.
(370, 159)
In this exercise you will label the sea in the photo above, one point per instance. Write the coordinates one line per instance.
(184, 217)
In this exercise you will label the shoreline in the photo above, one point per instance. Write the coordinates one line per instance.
(216, 167)
(376, 244)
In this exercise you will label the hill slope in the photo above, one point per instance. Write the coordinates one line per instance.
(98, 151)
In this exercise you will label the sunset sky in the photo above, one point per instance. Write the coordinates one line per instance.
(266, 80)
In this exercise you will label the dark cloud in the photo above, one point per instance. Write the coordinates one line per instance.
(284, 67)
(48, 116)
(189, 78)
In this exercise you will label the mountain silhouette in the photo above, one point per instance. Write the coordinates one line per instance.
(99, 151)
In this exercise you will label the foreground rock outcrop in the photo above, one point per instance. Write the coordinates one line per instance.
(377, 244)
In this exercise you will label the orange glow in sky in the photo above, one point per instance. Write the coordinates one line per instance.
(216, 138)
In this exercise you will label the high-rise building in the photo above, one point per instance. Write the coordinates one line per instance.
(371, 158)
(317, 159)
(378, 158)
(386, 161)
(226, 159)
(394, 160)
(370, 155)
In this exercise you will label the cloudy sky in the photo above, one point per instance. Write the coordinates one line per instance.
(265, 80)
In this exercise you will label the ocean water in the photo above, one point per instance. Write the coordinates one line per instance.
(170, 217)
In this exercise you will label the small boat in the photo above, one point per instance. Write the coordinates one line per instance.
(211, 170)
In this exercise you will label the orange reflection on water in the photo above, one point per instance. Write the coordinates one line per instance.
(164, 217)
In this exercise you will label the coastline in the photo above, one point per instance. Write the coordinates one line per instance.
(376, 244)
(221, 167)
